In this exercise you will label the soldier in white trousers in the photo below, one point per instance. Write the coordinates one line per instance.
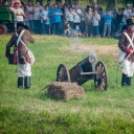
(23, 60)
(125, 44)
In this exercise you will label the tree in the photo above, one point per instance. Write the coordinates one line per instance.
(110, 4)
(132, 2)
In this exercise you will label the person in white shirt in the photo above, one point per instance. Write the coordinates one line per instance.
(96, 19)
(70, 16)
(77, 16)
(127, 13)
(18, 14)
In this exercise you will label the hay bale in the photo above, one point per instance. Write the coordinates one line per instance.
(65, 90)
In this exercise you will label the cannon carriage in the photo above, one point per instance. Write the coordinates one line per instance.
(84, 71)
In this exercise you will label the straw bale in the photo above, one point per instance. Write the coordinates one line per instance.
(65, 90)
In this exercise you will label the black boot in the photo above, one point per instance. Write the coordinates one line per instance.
(20, 82)
(27, 82)
(128, 81)
(124, 80)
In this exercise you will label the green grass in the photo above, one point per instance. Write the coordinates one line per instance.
(32, 112)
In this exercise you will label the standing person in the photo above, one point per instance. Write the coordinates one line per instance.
(18, 13)
(77, 16)
(45, 21)
(118, 21)
(30, 9)
(88, 22)
(96, 19)
(70, 16)
(128, 64)
(36, 16)
(107, 22)
(75, 4)
(26, 14)
(23, 59)
(49, 5)
(55, 16)
(14, 1)
(132, 13)
(127, 12)
(67, 4)
(83, 18)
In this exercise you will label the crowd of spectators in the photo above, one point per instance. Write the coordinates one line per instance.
(71, 20)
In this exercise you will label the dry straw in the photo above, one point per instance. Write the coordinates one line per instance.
(65, 90)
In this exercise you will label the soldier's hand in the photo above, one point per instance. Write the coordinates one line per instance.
(131, 51)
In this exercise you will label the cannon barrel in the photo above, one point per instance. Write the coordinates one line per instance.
(90, 58)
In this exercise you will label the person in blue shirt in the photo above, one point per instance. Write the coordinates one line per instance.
(107, 18)
(77, 31)
(55, 16)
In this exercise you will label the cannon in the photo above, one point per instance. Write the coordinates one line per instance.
(84, 71)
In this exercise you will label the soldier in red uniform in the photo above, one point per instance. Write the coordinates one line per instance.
(125, 44)
(22, 53)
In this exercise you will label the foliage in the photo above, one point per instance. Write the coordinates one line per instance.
(83, 3)
(33, 112)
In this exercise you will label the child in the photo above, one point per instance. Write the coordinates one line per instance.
(77, 31)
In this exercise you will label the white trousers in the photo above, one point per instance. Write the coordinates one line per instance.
(24, 70)
(128, 68)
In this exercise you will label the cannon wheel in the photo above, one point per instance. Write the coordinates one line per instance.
(63, 74)
(101, 77)
(3, 29)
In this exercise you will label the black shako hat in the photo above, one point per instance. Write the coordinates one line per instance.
(130, 21)
(22, 24)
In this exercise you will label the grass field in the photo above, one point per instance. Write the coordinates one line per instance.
(32, 112)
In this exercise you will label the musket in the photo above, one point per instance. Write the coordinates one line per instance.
(45, 87)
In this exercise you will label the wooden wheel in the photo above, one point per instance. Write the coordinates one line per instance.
(5, 29)
(63, 73)
(2, 29)
(101, 77)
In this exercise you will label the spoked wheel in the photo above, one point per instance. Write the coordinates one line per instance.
(2, 29)
(63, 74)
(101, 77)
(5, 29)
